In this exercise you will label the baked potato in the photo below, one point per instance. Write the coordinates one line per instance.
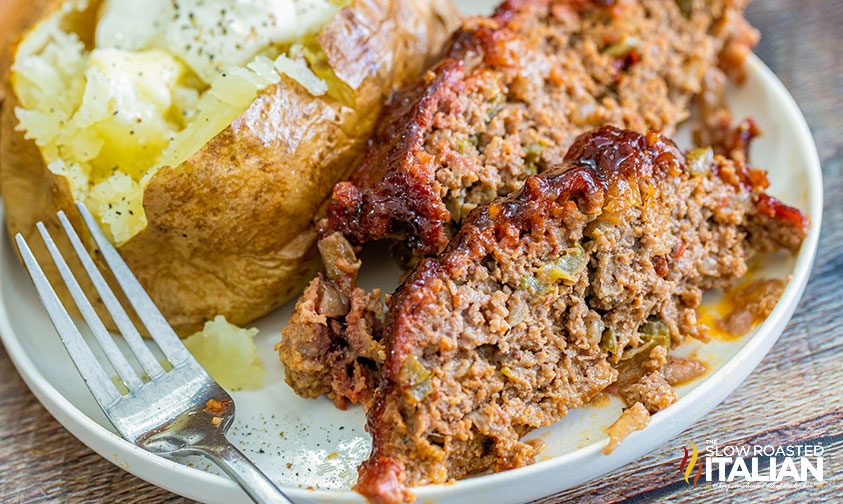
(204, 170)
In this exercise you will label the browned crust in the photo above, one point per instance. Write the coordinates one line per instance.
(402, 196)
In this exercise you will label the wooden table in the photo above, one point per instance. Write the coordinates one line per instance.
(794, 396)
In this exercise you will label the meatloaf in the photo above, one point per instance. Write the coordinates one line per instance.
(582, 280)
(521, 112)
(512, 92)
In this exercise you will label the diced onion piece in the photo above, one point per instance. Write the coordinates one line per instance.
(415, 378)
(699, 161)
(622, 48)
(632, 419)
(413, 372)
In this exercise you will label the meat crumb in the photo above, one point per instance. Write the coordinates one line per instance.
(680, 370)
(652, 390)
(214, 406)
(751, 304)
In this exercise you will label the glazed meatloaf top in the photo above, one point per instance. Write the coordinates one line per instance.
(544, 298)
(512, 92)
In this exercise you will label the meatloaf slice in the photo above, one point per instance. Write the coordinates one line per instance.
(544, 297)
(512, 92)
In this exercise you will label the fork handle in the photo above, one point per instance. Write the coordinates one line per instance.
(245, 473)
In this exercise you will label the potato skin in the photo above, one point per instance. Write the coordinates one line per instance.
(231, 229)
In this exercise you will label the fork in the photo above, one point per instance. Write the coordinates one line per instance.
(179, 410)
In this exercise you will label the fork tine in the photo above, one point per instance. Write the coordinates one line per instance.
(101, 386)
(150, 364)
(106, 342)
(158, 327)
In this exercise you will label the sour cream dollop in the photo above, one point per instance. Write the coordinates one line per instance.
(209, 36)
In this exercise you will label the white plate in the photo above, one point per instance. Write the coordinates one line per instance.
(278, 429)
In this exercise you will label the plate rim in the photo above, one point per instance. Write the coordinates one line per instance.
(704, 397)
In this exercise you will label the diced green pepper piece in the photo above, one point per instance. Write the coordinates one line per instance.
(686, 6)
(532, 155)
(454, 208)
(655, 332)
(609, 341)
(496, 104)
(462, 145)
(533, 151)
(565, 268)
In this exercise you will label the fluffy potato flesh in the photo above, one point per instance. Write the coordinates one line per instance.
(228, 354)
(162, 79)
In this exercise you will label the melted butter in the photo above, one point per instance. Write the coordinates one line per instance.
(716, 306)
(694, 355)
(709, 315)
(601, 400)
(721, 304)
